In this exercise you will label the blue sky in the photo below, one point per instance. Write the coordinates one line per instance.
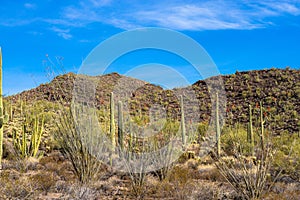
(238, 35)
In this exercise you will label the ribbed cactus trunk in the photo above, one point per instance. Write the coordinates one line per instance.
(1, 111)
(112, 125)
(36, 136)
(11, 112)
(183, 131)
(3, 118)
(120, 126)
(218, 131)
(262, 132)
(250, 131)
(130, 141)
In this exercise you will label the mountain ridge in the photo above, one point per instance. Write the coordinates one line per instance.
(278, 89)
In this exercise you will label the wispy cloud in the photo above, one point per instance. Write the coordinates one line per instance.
(178, 15)
(30, 5)
(64, 33)
(193, 17)
(204, 15)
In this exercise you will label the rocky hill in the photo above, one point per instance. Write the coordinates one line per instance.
(278, 89)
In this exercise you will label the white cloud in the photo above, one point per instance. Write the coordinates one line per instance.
(64, 33)
(99, 3)
(283, 7)
(178, 15)
(203, 15)
(30, 6)
(191, 17)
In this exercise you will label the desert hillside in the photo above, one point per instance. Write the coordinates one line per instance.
(278, 89)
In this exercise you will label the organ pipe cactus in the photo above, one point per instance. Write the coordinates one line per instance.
(21, 144)
(36, 136)
(3, 117)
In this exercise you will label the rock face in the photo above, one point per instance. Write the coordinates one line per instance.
(278, 89)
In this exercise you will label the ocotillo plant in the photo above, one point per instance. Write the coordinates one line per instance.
(262, 132)
(218, 130)
(183, 131)
(250, 131)
(120, 126)
(3, 118)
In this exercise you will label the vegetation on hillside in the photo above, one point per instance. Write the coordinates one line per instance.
(58, 150)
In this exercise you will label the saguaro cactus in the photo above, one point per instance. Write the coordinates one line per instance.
(112, 121)
(3, 118)
(120, 125)
(183, 131)
(250, 131)
(112, 125)
(262, 132)
(218, 130)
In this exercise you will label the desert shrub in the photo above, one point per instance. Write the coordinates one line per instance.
(209, 173)
(43, 181)
(16, 186)
(249, 176)
(235, 139)
(201, 129)
(284, 191)
(287, 157)
(179, 184)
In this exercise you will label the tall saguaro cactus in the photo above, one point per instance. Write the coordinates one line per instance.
(250, 131)
(3, 118)
(112, 121)
(112, 125)
(218, 130)
(262, 132)
(120, 125)
(183, 131)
